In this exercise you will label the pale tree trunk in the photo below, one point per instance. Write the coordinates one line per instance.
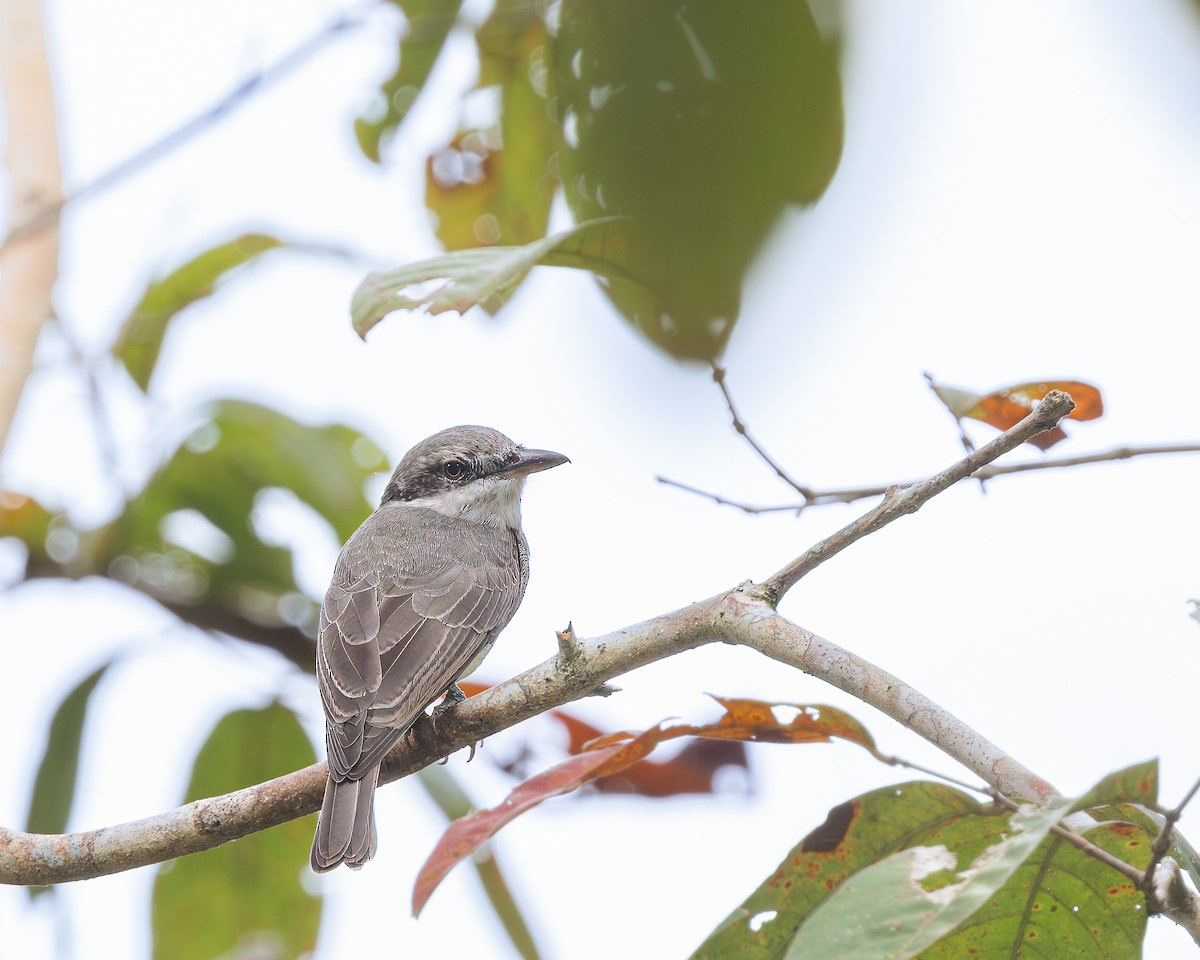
(29, 258)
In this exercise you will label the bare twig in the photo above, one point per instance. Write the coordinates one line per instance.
(718, 375)
(820, 498)
(899, 501)
(48, 215)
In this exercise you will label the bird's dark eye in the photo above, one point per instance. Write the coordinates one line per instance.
(454, 469)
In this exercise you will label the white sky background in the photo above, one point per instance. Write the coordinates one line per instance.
(1018, 198)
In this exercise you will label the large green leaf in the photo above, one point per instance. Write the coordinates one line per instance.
(141, 337)
(886, 913)
(988, 896)
(240, 450)
(700, 120)
(428, 25)
(54, 786)
(246, 894)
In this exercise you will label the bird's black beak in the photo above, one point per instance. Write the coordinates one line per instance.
(533, 461)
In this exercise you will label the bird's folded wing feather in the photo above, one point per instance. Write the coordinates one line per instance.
(400, 624)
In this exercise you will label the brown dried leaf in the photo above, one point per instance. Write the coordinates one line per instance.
(753, 720)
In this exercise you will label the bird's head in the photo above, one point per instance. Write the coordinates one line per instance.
(471, 472)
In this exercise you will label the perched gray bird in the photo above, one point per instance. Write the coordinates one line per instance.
(419, 594)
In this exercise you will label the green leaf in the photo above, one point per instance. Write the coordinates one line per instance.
(922, 869)
(141, 337)
(239, 450)
(886, 913)
(54, 787)
(428, 24)
(27, 520)
(1134, 784)
(468, 278)
(494, 183)
(246, 894)
(701, 120)
(854, 835)
(454, 803)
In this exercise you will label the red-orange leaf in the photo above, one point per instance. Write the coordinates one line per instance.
(753, 720)
(1007, 406)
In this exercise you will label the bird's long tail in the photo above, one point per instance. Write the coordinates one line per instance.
(346, 829)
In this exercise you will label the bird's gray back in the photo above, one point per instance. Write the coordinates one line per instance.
(416, 598)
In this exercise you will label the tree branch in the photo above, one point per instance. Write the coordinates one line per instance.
(899, 501)
(820, 498)
(31, 156)
(744, 616)
(719, 375)
(740, 616)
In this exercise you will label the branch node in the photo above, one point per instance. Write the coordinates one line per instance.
(570, 650)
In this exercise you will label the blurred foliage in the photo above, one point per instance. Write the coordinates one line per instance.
(246, 897)
(700, 121)
(141, 337)
(239, 451)
(427, 24)
(694, 120)
(1058, 899)
(494, 182)
(54, 785)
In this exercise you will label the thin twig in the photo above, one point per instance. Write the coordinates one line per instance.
(49, 215)
(1162, 842)
(719, 375)
(899, 501)
(820, 498)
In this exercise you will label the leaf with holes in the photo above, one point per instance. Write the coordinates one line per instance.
(926, 854)
(469, 278)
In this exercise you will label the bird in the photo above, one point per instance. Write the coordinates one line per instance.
(418, 596)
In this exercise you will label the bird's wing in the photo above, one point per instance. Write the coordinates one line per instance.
(401, 624)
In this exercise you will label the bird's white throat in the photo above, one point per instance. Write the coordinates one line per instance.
(495, 501)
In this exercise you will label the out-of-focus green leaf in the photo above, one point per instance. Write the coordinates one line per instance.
(428, 25)
(700, 120)
(246, 894)
(493, 184)
(454, 803)
(469, 278)
(27, 520)
(54, 786)
(240, 450)
(141, 337)
(1057, 898)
